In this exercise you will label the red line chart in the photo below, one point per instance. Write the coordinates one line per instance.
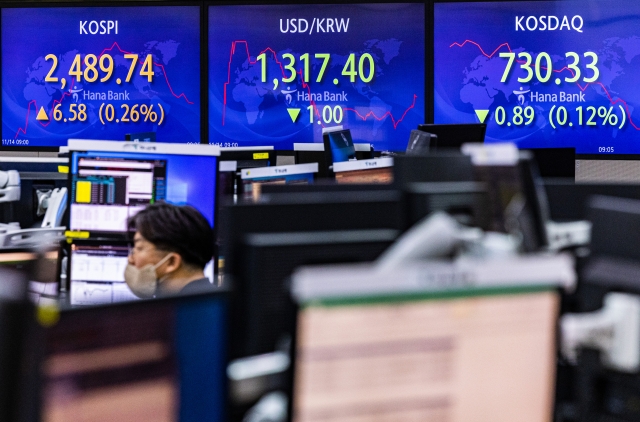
(67, 94)
(160, 65)
(305, 85)
(582, 88)
(35, 105)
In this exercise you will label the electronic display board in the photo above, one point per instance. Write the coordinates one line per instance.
(279, 74)
(541, 74)
(99, 73)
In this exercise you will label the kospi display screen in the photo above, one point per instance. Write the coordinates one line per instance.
(279, 74)
(100, 73)
(541, 74)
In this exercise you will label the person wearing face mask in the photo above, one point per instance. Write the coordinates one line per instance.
(171, 247)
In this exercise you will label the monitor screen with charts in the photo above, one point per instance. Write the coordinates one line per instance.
(97, 274)
(111, 182)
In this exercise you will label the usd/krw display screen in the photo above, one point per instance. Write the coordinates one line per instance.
(279, 74)
(99, 73)
(541, 74)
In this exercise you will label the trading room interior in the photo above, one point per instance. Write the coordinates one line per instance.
(364, 211)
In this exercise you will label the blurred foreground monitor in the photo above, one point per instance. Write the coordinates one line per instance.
(161, 360)
(428, 360)
(41, 268)
(404, 346)
(600, 391)
(19, 346)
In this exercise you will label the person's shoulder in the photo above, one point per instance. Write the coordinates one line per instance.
(200, 285)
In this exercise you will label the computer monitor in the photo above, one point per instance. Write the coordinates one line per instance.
(307, 212)
(390, 353)
(254, 179)
(112, 181)
(19, 349)
(612, 266)
(614, 259)
(338, 146)
(555, 162)
(420, 142)
(615, 224)
(96, 272)
(312, 227)
(155, 360)
(537, 205)
(467, 202)
(610, 169)
(434, 167)
(516, 200)
(568, 200)
(375, 171)
(262, 313)
(452, 136)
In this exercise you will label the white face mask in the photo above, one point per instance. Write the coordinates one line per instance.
(143, 282)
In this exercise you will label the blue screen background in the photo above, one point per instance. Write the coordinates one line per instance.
(467, 79)
(170, 34)
(191, 179)
(382, 112)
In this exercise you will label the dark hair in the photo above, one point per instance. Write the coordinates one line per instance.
(181, 229)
